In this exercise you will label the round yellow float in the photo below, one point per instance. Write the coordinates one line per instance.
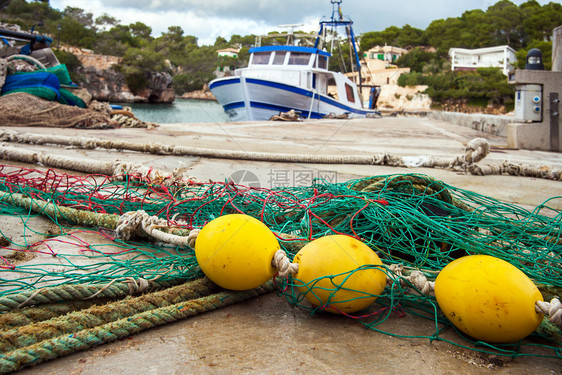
(235, 252)
(488, 299)
(333, 255)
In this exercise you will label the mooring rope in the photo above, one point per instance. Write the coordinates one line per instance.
(63, 293)
(82, 339)
(116, 168)
(125, 225)
(476, 150)
(176, 150)
(98, 315)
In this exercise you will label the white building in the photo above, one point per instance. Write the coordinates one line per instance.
(228, 52)
(387, 54)
(502, 57)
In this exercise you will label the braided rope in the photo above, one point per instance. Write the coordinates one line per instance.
(54, 211)
(416, 278)
(84, 339)
(553, 309)
(99, 315)
(283, 264)
(31, 315)
(68, 293)
(475, 151)
(139, 222)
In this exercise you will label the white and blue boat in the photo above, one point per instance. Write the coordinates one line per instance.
(281, 78)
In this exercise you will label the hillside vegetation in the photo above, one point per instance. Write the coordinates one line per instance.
(522, 27)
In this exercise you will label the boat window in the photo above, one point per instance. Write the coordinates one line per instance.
(299, 58)
(322, 62)
(279, 58)
(349, 93)
(261, 58)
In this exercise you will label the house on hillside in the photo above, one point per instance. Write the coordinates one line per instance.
(228, 52)
(377, 66)
(385, 54)
(502, 57)
(223, 71)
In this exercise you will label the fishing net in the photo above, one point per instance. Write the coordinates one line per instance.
(410, 220)
(3, 72)
(23, 109)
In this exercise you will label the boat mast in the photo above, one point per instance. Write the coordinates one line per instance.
(338, 20)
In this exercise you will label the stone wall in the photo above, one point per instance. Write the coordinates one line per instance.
(90, 60)
(493, 124)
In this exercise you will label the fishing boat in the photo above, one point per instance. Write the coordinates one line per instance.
(280, 78)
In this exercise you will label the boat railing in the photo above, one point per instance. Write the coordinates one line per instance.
(291, 39)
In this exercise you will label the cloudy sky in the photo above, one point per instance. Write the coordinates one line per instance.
(208, 19)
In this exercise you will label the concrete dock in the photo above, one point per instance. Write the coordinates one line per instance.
(266, 335)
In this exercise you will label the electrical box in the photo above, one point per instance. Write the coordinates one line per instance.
(528, 102)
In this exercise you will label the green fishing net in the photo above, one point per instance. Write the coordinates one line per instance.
(411, 220)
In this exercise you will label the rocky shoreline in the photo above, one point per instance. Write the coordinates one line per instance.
(204, 94)
(107, 84)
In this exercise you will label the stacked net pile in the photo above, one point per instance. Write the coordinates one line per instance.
(412, 220)
(23, 109)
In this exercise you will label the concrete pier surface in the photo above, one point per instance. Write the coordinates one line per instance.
(266, 335)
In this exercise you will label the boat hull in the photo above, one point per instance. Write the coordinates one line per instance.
(252, 99)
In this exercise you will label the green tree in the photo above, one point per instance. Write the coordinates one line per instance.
(105, 21)
(410, 37)
(411, 79)
(242, 41)
(417, 59)
(175, 45)
(140, 31)
(77, 14)
(507, 19)
(74, 33)
(137, 64)
(199, 67)
(539, 21)
(444, 34)
(476, 31)
(221, 43)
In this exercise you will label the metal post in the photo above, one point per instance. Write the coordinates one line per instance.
(554, 122)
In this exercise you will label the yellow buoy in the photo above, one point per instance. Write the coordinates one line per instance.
(488, 299)
(235, 252)
(333, 255)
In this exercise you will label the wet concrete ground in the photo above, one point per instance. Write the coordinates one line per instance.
(266, 335)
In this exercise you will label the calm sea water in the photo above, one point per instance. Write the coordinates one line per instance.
(182, 110)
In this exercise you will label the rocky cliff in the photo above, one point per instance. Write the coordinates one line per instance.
(107, 84)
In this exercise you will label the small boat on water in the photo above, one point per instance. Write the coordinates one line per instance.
(280, 78)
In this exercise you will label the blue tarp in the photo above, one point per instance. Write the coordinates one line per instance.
(33, 83)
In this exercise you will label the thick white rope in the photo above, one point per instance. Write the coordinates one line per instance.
(117, 169)
(192, 237)
(553, 309)
(475, 151)
(283, 264)
(137, 286)
(139, 222)
(416, 278)
(38, 64)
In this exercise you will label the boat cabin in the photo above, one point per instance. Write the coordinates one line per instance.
(303, 67)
